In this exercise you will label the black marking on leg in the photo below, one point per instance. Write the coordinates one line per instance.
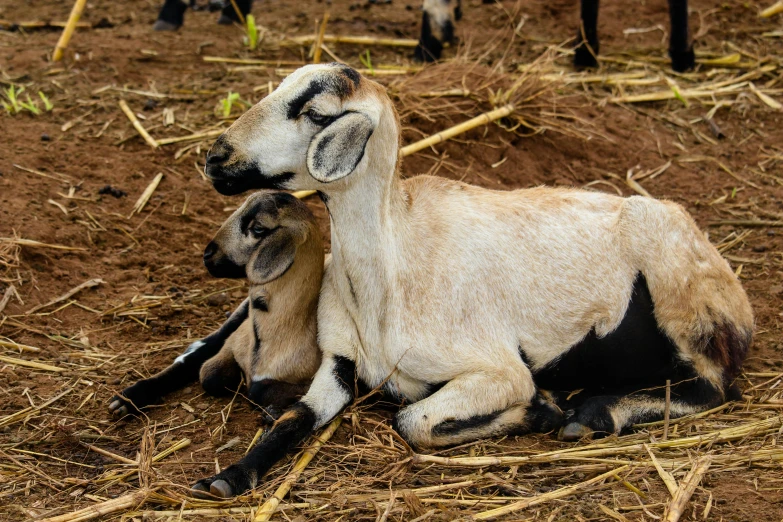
(636, 354)
(455, 426)
(286, 434)
(345, 373)
(429, 48)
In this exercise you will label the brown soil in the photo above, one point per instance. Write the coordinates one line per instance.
(154, 258)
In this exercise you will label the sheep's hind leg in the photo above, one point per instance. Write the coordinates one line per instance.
(476, 406)
(603, 415)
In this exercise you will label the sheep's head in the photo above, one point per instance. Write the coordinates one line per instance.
(261, 238)
(312, 130)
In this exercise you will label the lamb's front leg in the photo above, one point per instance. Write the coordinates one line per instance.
(182, 372)
(478, 405)
(331, 391)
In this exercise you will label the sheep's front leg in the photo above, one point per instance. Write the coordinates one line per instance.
(437, 28)
(183, 371)
(331, 391)
(274, 396)
(476, 406)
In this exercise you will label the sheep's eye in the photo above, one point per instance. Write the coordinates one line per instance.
(317, 118)
(258, 229)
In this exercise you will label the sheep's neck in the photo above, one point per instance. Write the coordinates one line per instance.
(366, 216)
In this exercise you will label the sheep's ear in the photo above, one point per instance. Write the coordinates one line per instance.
(275, 256)
(338, 148)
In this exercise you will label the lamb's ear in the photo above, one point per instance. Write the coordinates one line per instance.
(338, 148)
(276, 255)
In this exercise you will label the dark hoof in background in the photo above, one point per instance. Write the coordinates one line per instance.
(227, 20)
(683, 61)
(573, 432)
(422, 55)
(583, 58)
(162, 25)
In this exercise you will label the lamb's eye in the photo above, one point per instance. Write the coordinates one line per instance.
(317, 118)
(258, 229)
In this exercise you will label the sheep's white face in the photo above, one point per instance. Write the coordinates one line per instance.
(312, 130)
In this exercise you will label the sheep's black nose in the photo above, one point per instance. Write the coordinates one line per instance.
(219, 153)
(210, 251)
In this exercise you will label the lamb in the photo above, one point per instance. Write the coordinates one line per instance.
(472, 304)
(270, 340)
(680, 48)
(437, 25)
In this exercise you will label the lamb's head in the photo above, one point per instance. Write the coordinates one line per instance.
(311, 131)
(263, 237)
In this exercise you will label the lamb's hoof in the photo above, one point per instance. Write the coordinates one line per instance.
(584, 58)
(118, 407)
(683, 60)
(573, 431)
(221, 489)
(202, 491)
(226, 20)
(162, 25)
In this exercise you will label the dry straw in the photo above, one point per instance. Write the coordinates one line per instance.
(70, 27)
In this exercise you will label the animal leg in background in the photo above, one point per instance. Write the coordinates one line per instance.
(183, 371)
(587, 39)
(680, 48)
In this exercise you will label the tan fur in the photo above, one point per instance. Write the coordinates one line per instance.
(288, 349)
(433, 280)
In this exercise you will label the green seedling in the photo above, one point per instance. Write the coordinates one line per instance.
(230, 101)
(47, 103)
(367, 61)
(251, 33)
(30, 105)
(12, 106)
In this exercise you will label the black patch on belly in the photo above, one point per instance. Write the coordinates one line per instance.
(451, 427)
(637, 353)
(525, 358)
(260, 304)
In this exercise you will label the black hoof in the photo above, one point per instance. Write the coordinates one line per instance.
(425, 55)
(232, 481)
(120, 407)
(162, 25)
(683, 60)
(583, 57)
(573, 432)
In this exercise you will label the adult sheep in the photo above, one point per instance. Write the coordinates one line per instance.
(466, 302)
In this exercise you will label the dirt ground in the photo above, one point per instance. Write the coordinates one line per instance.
(156, 297)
